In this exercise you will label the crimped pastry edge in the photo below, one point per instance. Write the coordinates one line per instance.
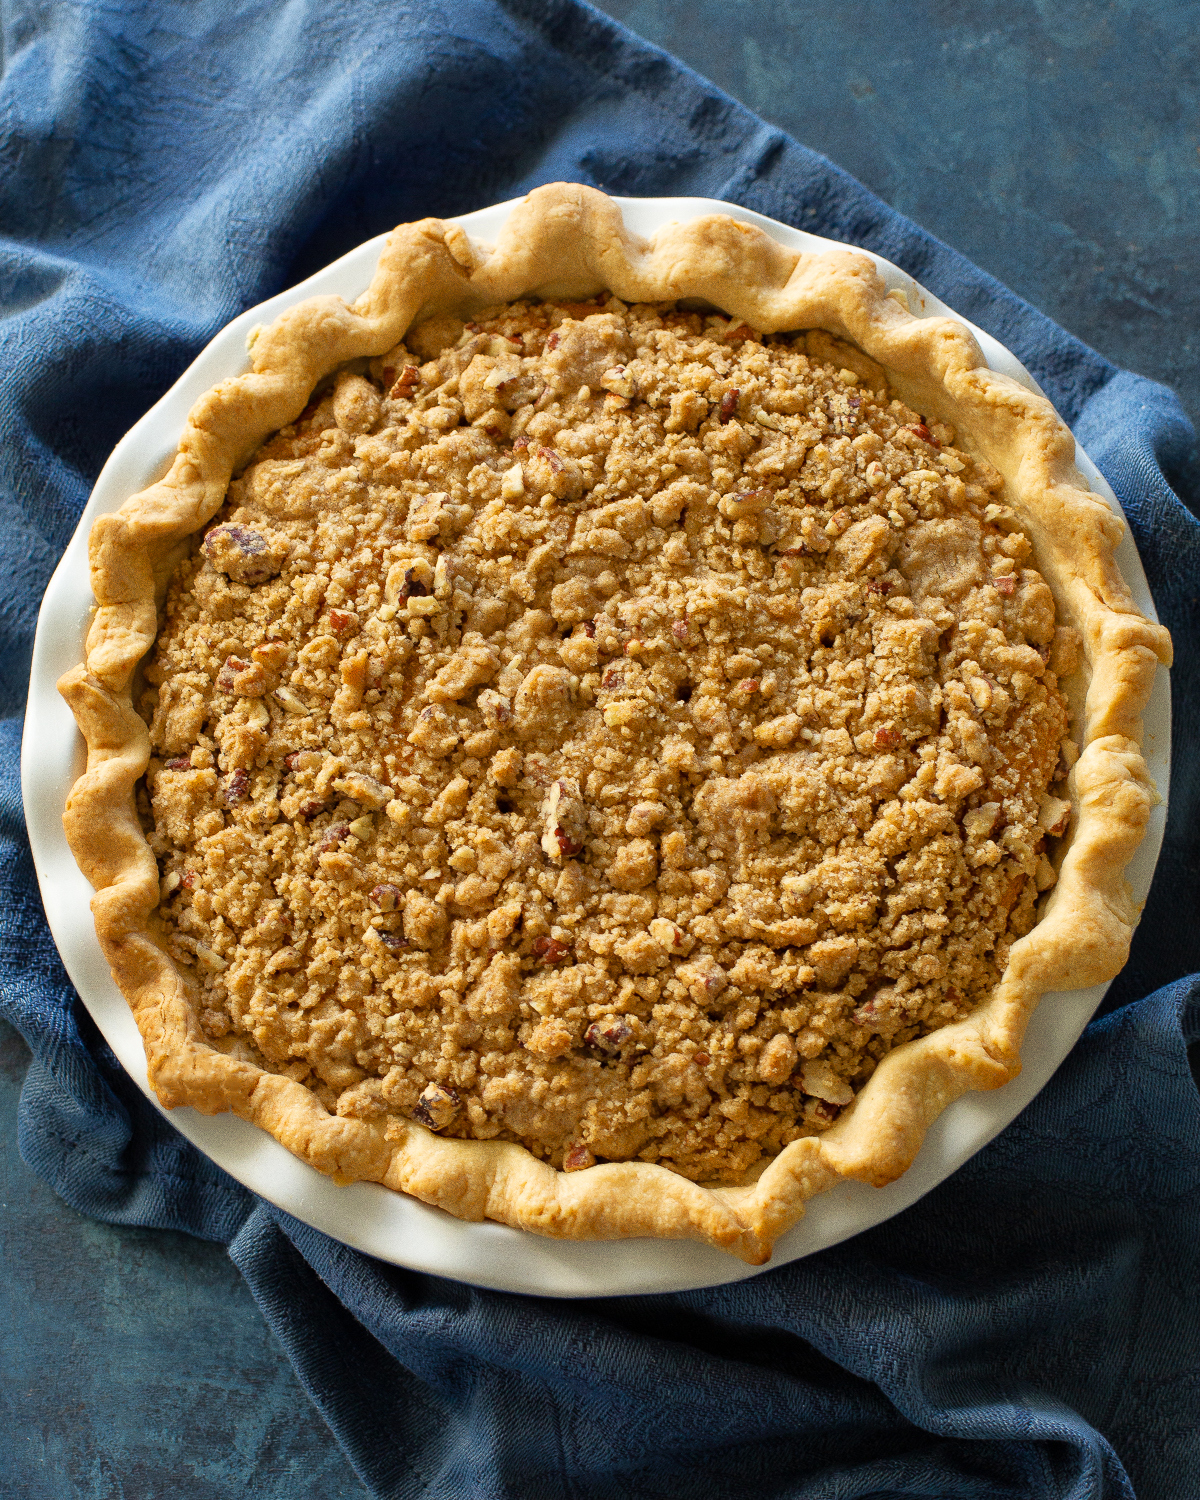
(566, 240)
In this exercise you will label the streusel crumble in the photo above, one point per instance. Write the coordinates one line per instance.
(606, 729)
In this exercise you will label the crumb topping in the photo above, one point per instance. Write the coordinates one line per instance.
(607, 729)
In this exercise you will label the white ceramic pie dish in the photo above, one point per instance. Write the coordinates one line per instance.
(364, 1215)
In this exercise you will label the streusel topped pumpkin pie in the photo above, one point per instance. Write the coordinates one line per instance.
(605, 756)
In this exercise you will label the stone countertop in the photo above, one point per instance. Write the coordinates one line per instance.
(1056, 145)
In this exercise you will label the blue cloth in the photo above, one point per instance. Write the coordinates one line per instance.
(1029, 1328)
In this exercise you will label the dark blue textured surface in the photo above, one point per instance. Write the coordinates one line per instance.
(1025, 1330)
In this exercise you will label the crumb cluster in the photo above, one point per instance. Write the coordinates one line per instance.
(606, 729)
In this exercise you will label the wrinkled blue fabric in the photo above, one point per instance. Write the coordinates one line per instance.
(1029, 1329)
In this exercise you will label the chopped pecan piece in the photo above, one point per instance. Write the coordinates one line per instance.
(729, 406)
(820, 1112)
(668, 934)
(243, 554)
(620, 382)
(746, 503)
(363, 789)
(437, 1106)
(290, 701)
(980, 823)
(227, 677)
(607, 1036)
(386, 897)
(682, 631)
(564, 820)
(304, 759)
(578, 1159)
(406, 382)
(178, 763)
(550, 950)
(334, 835)
(413, 587)
(818, 1079)
(1053, 815)
(236, 787)
(705, 979)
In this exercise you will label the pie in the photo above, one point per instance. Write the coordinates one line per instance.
(629, 731)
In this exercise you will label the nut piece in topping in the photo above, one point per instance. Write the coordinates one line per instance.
(290, 701)
(672, 938)
(437, 1106)
(819, 1113)
(245, 554)
(408, 378)
(364, 790)
(407, 581)
(550, 950)
(386, 897)
(548, 472)
(236, 787)
(578, 1159)
(1053, 816)
(607, 1036)
(620, 382)
(245, 679)
(818, 1079)
(979, 823)
(563, 821)
(747, 503)
(705, 979)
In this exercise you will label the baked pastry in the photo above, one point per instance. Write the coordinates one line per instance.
(634, 741)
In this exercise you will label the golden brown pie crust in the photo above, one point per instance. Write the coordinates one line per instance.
(567, 241)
